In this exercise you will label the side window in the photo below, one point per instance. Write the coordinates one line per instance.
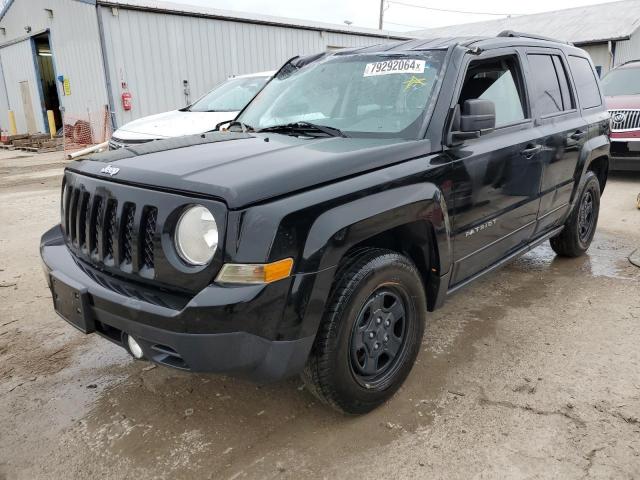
(586, 84)
(567, 97)
(496, 80)
(550, 85)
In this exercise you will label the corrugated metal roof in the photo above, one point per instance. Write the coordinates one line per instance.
(193, 10)
(580, 25)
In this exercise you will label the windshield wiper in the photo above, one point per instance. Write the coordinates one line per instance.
(305, 127)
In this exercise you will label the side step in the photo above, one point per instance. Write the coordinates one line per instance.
(501, 263)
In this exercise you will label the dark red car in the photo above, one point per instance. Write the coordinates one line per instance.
(621, 87)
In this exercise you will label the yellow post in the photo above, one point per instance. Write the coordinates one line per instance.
(12, 123)
(52, 123)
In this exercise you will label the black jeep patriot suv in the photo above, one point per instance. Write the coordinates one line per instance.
(353, 194)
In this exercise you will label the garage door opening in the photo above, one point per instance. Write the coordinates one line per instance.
(47, 74)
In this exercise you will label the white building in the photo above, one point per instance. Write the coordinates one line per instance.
(609, 32)
(82, 54)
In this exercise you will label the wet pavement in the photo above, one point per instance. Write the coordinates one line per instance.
(532, 372)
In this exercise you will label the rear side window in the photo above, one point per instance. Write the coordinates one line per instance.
(586, 84)
(551, 88)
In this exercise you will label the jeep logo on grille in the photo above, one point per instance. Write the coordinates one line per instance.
(109, 170)
(619, 117)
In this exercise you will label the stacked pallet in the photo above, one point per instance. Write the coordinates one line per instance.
(38, 143)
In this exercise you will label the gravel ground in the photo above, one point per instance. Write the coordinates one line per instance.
(533, 372)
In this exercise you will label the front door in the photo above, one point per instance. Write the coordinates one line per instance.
(496, 176)
(27, 107)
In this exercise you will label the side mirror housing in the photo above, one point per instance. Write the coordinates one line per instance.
(478, 117)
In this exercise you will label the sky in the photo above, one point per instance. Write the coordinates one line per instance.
(398, 15)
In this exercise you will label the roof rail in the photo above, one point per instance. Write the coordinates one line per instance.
(511, 33)
(636, 60)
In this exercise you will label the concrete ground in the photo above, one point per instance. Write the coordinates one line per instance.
(533, 372)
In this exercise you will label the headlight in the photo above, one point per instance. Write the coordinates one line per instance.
(196, 236)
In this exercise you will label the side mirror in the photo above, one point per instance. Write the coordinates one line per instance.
(478, 118)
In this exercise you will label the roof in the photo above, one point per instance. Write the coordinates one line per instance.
(580, 25)
(207, 12)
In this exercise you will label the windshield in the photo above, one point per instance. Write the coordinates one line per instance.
(624, 81)
(362, 95)
(230, 96)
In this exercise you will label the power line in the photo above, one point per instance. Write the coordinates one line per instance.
(404, 25)
(449, 10)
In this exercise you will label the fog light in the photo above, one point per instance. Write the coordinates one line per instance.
(134, 347)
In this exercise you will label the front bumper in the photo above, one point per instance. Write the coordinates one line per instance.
(625, 151)
(218, 330)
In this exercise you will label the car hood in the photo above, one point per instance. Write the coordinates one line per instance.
(623, 102)
(243, 168)
(172, 124)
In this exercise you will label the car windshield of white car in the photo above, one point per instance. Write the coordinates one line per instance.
(230, 96)
(624, 81)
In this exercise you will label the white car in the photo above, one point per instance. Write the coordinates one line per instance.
(220, 104)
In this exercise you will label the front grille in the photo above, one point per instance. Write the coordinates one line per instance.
(91, 226)
(116, 229)
(622, 120)
(116, 143)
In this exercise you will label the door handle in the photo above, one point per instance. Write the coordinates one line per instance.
(577, 135)
(530, 151)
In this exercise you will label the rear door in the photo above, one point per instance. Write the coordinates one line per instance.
(562, 128)
(496, 178)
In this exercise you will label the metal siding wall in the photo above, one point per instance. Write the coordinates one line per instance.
(75, 43)
(155, 52)
(4, 101)
(18, 66)
(628, 49)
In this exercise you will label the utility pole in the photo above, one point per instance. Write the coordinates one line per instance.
(381, 22)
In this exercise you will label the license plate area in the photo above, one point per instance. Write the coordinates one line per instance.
(71, 302)
(634, 146)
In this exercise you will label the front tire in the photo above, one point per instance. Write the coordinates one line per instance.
(580, 227)
(371, 332)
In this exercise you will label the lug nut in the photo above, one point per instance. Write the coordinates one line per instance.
(378, 320)
(387, 323)
(371, 334)
(376, 346)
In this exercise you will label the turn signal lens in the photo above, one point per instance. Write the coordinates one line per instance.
(255, 273)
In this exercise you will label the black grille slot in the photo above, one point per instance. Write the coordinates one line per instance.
(73, 211)
(66, 204)
(110, 218)
(148, 232)
(128, 214)
(95, 228)
(82, 221)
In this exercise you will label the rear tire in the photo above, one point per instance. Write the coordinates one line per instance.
(580, 227)
(371, 332)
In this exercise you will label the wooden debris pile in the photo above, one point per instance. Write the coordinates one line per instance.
(38, 143)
